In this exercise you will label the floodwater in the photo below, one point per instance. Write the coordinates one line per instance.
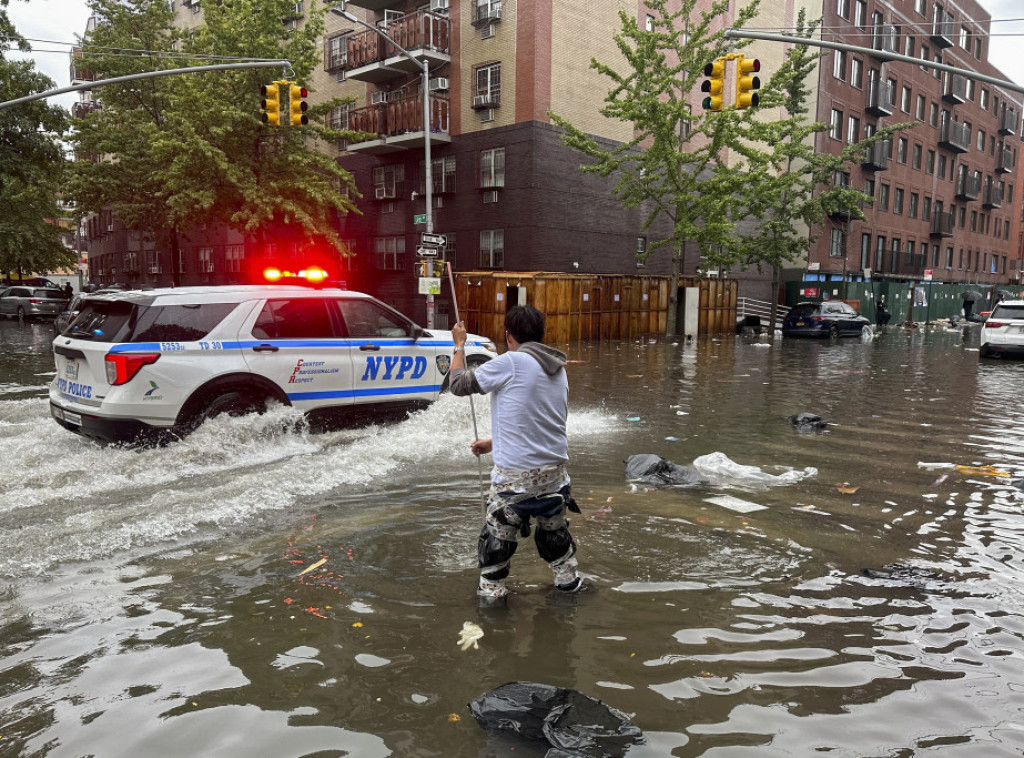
(259, 590)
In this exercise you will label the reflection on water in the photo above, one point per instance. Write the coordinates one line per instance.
(256, 589)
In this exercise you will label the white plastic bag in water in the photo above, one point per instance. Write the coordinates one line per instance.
(719, 469)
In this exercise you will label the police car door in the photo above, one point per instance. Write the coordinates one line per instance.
(389, 363)
(296, 343)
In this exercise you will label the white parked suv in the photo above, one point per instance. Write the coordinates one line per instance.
(147, 365)
(1003, 331)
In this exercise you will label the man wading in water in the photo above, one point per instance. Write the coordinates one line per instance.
(529, 405)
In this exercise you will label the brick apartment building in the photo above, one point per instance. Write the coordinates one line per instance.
(507, 195)
(947, 207)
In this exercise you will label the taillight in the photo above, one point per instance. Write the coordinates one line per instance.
(995, 324)
(122, 367)
(35, 300)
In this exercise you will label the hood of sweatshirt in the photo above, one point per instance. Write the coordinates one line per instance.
(551, 360)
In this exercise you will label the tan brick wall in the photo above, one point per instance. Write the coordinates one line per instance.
(475, 51)
(582, 30)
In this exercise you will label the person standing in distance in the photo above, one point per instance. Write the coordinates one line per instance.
(529, 406)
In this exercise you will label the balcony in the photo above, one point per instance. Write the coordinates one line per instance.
(374, 5)
(83, 108)
(371, 58)
(993, 196)
(954, 136)
(398, 125)
(943, 29)
(881, 100)
(942, 225)
(1004, 160)
(955, 88)
(968, 187)
(79, 73)
(877, 156)
(1008, 122)
(884, 39)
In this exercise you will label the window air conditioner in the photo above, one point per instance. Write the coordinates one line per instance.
(485, 101)
(439, 5)
(382, 193)
(439, 83)
(378, 97)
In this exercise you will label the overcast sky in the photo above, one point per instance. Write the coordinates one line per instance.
(48, 22)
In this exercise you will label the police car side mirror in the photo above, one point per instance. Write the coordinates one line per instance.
(417, 332)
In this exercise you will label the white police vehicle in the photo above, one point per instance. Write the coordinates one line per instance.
(147, 365)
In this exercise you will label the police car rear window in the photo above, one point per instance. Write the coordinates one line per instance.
(132, 322)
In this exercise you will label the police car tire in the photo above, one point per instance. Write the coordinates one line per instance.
(233, 404)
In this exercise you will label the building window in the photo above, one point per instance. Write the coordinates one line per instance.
(843, 9)
(836, 246)
(894, 255)
(981, 140)
(233, 257)
(852, 129)
(908, 48)
(926, 209)
(865, 250)
(917, 157)
(964, 36)
(649, 26)
(492, 248)
(929, 164)
(387, 180)
(492, 167)
(920, 6)
(933, 115)
(910, 252)
(879, 252)
(897, 201)
(919, 112)
(860, 12)
(839, 65)
(836, 128)
(442, 174)
(901, 150)
(389, 253)
(488, 86)
(869, 187)
(912, 206)
(856, 72)
(883, 197)
(983, 101)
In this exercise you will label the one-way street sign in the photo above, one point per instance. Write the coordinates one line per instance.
(426, 251)
(433, 239)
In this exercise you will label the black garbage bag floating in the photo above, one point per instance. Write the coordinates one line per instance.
(574, 724)
(659, 472)
(808, 422)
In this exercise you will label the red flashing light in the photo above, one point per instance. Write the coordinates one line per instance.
(272, 274)
(122, 367)
(312, 275)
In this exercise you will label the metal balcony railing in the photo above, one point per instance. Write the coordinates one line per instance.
(968, 187)
(414, 31)
(397, 117)
(1008, 122)
(993, 196)
(942, 225)
(881, 100)
(954, 136)
(1004, 160)
(943, 29)
(877, 156)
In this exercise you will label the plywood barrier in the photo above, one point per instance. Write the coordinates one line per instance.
(589, 307)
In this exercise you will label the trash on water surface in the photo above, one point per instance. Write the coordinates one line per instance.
(846, 488)
(314, 566)
(807, 422)
(659, 472)
(718, 468)
(735, 504)
(566, 719)
(468, 636)
(981, 471)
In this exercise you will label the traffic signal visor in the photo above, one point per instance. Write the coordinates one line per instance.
(271, 104)
(714, 85)
(297, 98)
(746, 82)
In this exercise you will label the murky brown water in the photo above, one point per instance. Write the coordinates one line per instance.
(152, 602)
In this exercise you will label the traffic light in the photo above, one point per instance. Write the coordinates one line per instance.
(297, 98)
(714, 85)
(271, 104)
(746, 83)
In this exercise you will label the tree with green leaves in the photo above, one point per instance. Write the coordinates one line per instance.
(793, 189)
(677, 162)
(31, 165)
(174, 153)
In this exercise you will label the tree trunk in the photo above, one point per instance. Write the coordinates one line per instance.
(671, 326)
(175, 259)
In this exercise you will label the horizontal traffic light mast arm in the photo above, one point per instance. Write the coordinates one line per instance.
(145, 75)
(884, 55)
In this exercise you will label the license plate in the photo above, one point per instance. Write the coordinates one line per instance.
(71, 370)
(67, 416)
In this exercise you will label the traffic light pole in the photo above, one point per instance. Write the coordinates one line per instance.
(145, 75)
(881, 54)
(428, 171)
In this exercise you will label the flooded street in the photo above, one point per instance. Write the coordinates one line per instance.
(260, 590)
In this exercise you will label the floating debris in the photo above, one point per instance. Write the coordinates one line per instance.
(469, 635)
(846, 488)
(313, 567)
(981, 471)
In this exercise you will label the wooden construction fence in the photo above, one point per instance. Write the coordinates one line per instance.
(589, 307)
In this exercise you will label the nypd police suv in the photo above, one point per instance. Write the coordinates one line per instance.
(142, 365)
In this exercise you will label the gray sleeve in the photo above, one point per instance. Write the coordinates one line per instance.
(462, 382)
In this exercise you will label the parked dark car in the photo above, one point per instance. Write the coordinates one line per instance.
(31, 302)
(830, 318)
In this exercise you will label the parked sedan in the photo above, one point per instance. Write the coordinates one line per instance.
(31, 302)
(1003, 331)
(830, 318)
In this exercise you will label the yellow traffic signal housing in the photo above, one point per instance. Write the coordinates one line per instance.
(714, 85)
(746, 82)
(297, 99)
(271, 104)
